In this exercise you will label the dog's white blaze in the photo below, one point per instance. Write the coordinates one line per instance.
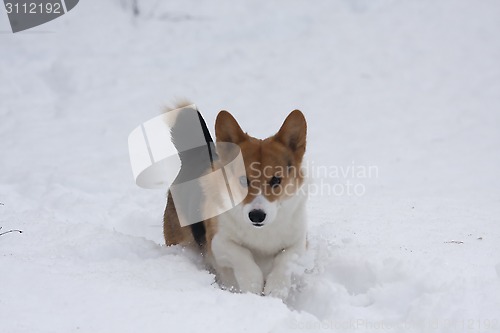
(261, 202)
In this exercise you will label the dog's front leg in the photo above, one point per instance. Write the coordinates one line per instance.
(231, 255)
(278, 281)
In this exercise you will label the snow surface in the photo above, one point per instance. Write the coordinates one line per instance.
(411, 87)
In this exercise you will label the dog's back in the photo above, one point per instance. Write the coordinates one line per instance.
(194, 163)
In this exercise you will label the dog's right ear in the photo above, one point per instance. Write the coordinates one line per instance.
(227, 129)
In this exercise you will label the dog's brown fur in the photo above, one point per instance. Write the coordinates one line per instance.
(172, 230)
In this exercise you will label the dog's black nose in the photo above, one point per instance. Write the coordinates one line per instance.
(257, 215)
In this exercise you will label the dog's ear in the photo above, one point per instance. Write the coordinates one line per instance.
(227, 129)
(293, 133)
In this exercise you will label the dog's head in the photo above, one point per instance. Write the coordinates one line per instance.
(273, 165)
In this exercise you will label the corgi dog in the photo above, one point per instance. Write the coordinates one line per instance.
(251, 246)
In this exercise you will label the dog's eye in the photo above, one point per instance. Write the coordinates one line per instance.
(275, 181)
(244, 181)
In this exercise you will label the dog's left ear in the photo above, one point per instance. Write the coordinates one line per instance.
(227, 129)
(293, 133)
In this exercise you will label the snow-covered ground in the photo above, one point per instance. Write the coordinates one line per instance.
(409, 88)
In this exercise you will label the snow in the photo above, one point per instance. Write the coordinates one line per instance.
(411, 87)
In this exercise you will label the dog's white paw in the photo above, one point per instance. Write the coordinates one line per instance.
(252, 282)
(277, 286)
